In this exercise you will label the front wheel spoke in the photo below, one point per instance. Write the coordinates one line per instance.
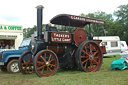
(24, 63)
(43, 58)
(85, 61)
(31, 63)
(32, 70)
(47, 70)
(51, 60)
(31, 57)
(26, 67)
(40, 62)
(28, 57)
(52, 65)
(42, 70)
(41, 67)
(29, 69)
(50, 69)
(25, 60)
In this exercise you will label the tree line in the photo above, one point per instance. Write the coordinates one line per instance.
(116, 24)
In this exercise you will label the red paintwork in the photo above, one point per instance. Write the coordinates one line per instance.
(103, 49)
(79, 36)
(72, 20)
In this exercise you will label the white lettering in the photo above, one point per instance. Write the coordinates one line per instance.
(61, 35)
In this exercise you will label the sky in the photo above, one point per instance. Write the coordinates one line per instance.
(23, 12)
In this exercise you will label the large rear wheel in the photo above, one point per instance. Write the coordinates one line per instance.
(46, 63)
(25, 63)
(89, 56)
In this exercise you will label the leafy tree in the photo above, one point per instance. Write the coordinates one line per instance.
(122, 21)
(28, 31)
(99, 29)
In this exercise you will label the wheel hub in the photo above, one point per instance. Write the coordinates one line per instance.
(47, 63)
(14, 67)
(91, 57)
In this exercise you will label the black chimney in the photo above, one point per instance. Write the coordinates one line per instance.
(39, 21)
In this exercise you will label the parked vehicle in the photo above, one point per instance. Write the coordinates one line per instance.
(112, 44)
(124, 46)
(9, 59)
(55, 49)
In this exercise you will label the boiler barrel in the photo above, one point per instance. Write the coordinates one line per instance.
(58, 49)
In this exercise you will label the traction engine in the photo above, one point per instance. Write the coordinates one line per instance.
(52, 49)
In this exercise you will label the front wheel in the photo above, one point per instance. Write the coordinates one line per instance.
(46, 63)
(12, 66)
(25, 63)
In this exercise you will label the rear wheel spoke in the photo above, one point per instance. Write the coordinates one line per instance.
(85, 61)
(92, 65)
(85, 52)
(96, 62)
(84, 56)
(95, 53)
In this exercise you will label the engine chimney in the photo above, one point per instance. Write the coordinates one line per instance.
(39, 21)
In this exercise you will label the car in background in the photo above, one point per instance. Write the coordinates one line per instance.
(124, 46)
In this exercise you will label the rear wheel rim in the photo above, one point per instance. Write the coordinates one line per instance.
(46, 64)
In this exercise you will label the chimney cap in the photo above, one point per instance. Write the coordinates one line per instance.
(39, 6)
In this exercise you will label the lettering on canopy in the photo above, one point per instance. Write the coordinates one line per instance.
(10, 28)
(60, 37)
(86, 19)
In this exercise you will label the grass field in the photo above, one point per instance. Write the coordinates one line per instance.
(105, 76)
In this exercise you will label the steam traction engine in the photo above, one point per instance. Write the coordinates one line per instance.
(55, 49)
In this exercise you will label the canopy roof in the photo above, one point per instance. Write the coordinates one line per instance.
(72, 20)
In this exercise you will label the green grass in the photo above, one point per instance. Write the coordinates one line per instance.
(105, 76)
